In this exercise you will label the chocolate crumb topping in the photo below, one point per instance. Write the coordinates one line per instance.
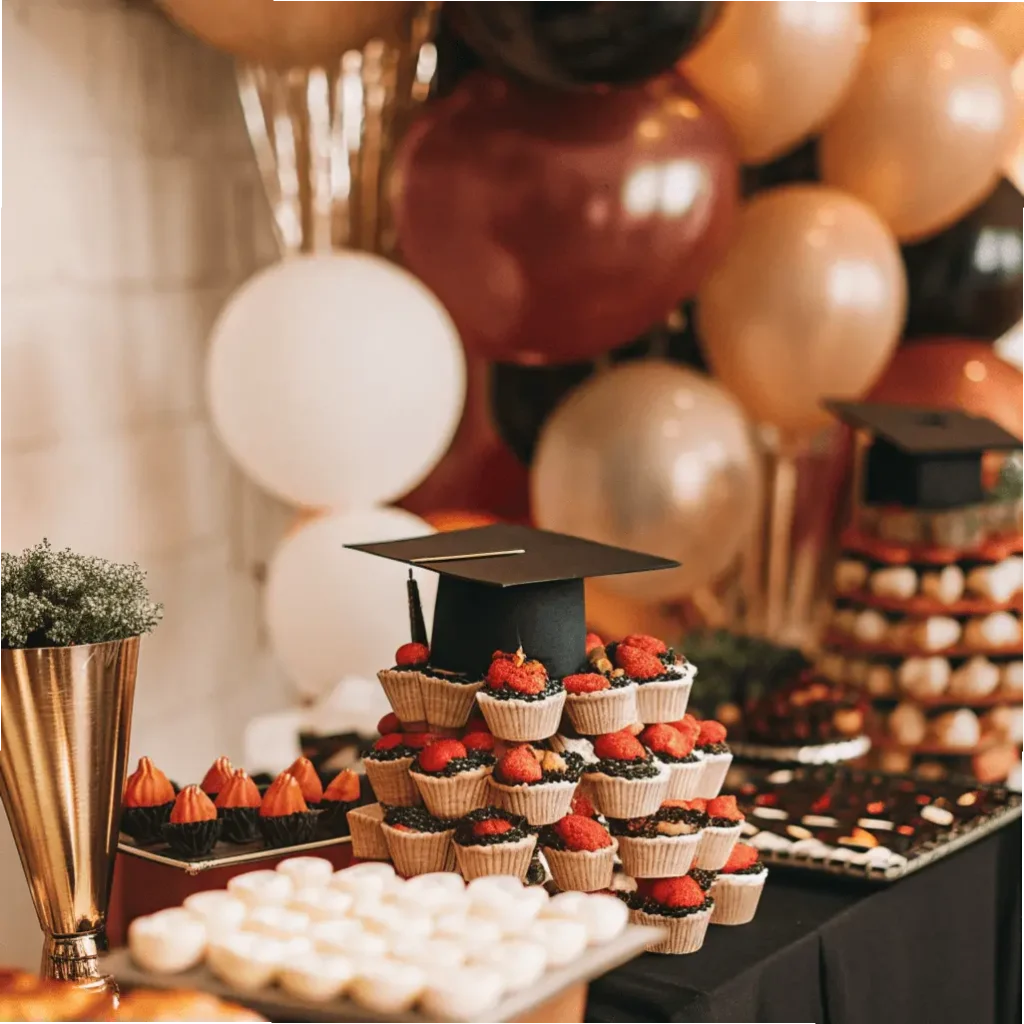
(647, 768)
(417, 818)
(473, 760)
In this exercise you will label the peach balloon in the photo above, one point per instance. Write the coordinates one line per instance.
(922, 133)
(777, 70)
(807, 304)
(978, 12)
(299, 33)
(1006, 28)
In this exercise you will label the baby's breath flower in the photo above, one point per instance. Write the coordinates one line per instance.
(57, 599)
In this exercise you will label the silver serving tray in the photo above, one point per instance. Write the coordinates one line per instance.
(275, 1004)
(820, 753)
(224, 855)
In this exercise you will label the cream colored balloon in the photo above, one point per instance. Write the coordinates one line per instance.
(777, 70)
(808, 304)
(655, 457)
(293, 34)
(922, 133)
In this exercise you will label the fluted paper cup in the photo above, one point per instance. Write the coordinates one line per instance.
(496, 859)
(685, 934)
(453, 796)
(715, 846)
(402, 689)
(716, 767)
(448, 705)
(737, 897)
(391, 782)
(593, 714)
(419, 853)
(364, 825)
(581, 870)
(684, 779)
(543, 803)
(522, 721)
(664, 700)
(658, 856)
(627, 798)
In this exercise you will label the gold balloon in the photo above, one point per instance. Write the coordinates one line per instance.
(655, 457)
(923, 131)
(777, 70)
(1005, 27)
(296, 34)
(975, 11)
(807, 304)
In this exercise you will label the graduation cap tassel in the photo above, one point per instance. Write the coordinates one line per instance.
(417, 626)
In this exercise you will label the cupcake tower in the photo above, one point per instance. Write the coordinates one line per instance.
(926, 616)
(227, 807)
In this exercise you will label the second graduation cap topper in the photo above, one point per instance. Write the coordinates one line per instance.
(502, 587)
(924, 458)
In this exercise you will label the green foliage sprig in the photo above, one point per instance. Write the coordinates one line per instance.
(57, 599)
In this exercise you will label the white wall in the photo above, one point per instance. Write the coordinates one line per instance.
(131, 209)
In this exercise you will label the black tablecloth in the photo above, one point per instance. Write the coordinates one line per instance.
(941, 945)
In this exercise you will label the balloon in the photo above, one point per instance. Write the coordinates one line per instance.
(968, 280)
(335, 380)
(293, 34)
(978, 12)
(583, 44)
(777, 70)
(331, 612)
(459, 519)
(954, 374)
(924, 129)
(653, 457)
(1005, 27)
(807, 304)
(556, 227)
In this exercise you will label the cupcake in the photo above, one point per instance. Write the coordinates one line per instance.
(674, 749)
(717, 758)
(451, 779)
(339, 798)
(580, 853)
(599, 703)
(661, 845)
(537, 784)
(679, 906)
(725, 821)
(193, 828)
(626, 781)
(218, 776)
(364, 825)
(490, 841)
(387, 768)
(302, 770)
(449, 698)
(237, 805)
(737, 887)
(148, 799)
(284, 818)
(519, 701)
(401, 683)
(663, 683)
(417, 841)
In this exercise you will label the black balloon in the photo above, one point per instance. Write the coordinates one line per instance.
(576, 45)
(967, 280)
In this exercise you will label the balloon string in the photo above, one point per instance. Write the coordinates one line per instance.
(783, 507)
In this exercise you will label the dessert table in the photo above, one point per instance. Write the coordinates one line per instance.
(941, 945)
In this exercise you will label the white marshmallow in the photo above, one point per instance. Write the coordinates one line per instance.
(936, 633)
(246, 961)
(463, 994)
(342, 936)
(924, 677)
(998, 629)
(1012, 677)
(437, 881)
(998, 582)
(603, 916)
(976, 677)
(258, 888)
(946, 586)
(217, 909)
(959, 728)
(167, 942)
(307, 872)
(321, 904)
(503, 883)
(276, 922)
(387, 986)
(895, 581)
(849, 576)
(435, 955)
(907, 725)
(870, 626)
(317, 978)
(563, 941)
(520, 963)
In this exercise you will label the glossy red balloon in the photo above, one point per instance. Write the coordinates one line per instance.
(556, 226)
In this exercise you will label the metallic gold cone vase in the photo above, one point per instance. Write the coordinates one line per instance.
(65, 717)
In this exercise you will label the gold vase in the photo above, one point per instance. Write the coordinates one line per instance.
(65, 717)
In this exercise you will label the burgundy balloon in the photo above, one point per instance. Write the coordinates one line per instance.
(556, 226)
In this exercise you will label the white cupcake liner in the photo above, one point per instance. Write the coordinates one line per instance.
(664, 700)
(402, 689)
(540, 804)
(496, 859)
(737, 897)
(419, 853)
(716, 767)
(659, 856)
(391, 783)
(715, 846)
(447, 705)
(522, 720)
(684, 779)
(615, 797)
(592, 714)
(364, 825)
(453, 796)
(581, 870)
(685, 934)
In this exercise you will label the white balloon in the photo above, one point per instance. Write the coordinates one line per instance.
(336, 380)
(332, 612)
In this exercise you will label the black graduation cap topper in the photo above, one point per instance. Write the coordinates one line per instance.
(504, 586)
(924, 458)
